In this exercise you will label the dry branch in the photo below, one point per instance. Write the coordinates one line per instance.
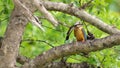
(28, 14)
(73, 48)
(44, 11)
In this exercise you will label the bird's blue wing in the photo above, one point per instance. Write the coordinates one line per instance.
(85, 36)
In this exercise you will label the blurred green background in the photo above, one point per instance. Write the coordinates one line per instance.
(36, 41)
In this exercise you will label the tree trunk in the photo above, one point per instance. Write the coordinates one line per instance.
(11, 40)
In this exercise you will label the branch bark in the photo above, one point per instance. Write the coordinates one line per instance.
(65, 8)
(73, 48)
(22, 60)
(28, 14)
(10, 43)
(44, 11)
(11, 40)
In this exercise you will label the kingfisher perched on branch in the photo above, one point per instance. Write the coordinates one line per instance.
(79, 32)
(80, 35)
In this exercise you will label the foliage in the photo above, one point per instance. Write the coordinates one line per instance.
(5, 10)
(33, 39)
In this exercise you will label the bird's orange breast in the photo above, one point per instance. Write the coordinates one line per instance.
(79, 34)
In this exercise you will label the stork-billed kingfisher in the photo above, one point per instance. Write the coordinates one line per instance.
(79, 32)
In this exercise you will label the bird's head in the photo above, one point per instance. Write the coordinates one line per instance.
(78, 24)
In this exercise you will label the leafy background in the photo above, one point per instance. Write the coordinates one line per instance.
(36, 41)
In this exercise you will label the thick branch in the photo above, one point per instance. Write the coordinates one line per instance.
(73, 48)
(81, 14)
(22, 60)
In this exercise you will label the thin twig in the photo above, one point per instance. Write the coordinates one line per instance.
(64, 24)
(38, 41)
(103, 59)
(61, 23)
(51, 28)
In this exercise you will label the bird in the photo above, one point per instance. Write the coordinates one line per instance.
(79, 32)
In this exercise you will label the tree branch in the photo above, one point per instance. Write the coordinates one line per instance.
(22, 60)
(44, 11)
(28, 14)
(38, 41)
(73, 48)
(82, 15)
